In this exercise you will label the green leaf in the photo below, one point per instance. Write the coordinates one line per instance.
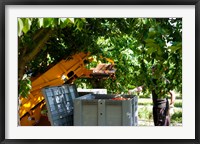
(145, 20)
(175, 47)
(24, 86)
(40, 22)
(149, 40)
(80, 24)
(20, 26)
(56, 22)
(48, 22)
(64, 22)
(27, 25)
(63, 19)
(151, 50)
(29, 86)
(71, 19)
(24, 77)
(159, 51)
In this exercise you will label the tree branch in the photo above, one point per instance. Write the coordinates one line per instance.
(38, 33)
(40, 37)
(40, 44)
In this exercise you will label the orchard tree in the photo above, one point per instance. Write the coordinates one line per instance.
(135, 45)
(40, 43)
(138, 44)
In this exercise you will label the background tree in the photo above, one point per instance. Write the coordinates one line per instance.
(135, 44)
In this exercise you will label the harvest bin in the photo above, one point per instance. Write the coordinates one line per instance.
(59, 101)
(104, 110)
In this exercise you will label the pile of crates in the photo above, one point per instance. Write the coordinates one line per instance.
(66, 108)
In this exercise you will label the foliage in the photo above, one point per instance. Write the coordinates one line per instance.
(25, 86)
(176, 117)
(145, 114)
(33, 47)
(178, 104)
(148, 42)
(135, 45)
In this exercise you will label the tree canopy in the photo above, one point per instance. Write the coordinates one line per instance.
(135, 45)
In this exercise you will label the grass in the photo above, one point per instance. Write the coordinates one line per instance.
(145, 113)
(176, 117)
(145, 102)
(148, 101)
(178, 104)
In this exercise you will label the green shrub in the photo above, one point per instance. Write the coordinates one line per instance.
(145, 113)
(176, 117)
(178, 104)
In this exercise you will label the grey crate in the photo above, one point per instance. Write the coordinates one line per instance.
(59, 101)
(102, 110)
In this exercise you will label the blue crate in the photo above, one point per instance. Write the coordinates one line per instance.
(59, 101)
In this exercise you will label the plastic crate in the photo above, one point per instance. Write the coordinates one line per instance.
(59, 101)
(104, 110)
